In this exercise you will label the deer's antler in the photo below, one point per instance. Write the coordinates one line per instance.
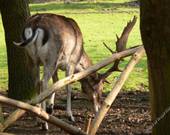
(120, 46)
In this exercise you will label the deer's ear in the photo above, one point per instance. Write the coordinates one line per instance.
(99, 75)
(103, 79)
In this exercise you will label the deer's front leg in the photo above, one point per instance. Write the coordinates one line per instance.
(69, 71)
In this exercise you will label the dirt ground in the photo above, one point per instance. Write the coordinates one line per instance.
(129, 115)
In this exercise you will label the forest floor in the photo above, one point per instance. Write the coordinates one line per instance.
(129, 115)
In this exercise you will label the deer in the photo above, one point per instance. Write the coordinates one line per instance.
(56, 42)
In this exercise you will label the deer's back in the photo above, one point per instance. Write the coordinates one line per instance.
(62, 39)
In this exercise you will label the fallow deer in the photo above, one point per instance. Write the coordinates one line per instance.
(56, 42)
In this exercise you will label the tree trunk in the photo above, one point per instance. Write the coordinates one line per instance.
(155, 31)
(21, 77)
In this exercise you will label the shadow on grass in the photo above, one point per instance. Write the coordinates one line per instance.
(98, 7)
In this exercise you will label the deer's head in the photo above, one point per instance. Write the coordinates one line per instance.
(92, 86)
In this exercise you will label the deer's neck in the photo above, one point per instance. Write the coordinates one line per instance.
(84, 62)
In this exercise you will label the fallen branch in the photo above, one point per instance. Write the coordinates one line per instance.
(116, 89)
(43, 115)
(88, 125)
(61, 83)
(11, 119)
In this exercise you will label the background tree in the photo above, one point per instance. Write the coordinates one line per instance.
(67, 1)
(155, 30)
(21, 77)
(92, 1)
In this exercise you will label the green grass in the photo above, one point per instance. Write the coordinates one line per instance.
(3, 60)
(99, 22)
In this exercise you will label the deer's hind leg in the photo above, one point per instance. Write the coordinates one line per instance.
(50, 103)
(48, 72)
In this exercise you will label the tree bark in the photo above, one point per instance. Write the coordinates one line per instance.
(155, 31)
(21, 83)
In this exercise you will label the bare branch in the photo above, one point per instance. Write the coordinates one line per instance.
(42, 114)
(115, 90)
(2, 133)
(11, 119)
(88, 125)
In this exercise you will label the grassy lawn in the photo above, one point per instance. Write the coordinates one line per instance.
(3, 61)
(99, 22)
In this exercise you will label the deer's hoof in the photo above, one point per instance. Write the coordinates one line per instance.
(44, 126)
(50, 108)
(71, 118)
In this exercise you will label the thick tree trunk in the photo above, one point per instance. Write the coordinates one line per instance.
(155, 30)
(21, 77)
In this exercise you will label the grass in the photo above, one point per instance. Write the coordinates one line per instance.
(3, 60)
(99, 22)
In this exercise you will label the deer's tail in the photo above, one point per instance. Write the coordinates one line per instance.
(30, 35)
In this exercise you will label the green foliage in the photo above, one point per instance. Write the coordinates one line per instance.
(99, 22)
